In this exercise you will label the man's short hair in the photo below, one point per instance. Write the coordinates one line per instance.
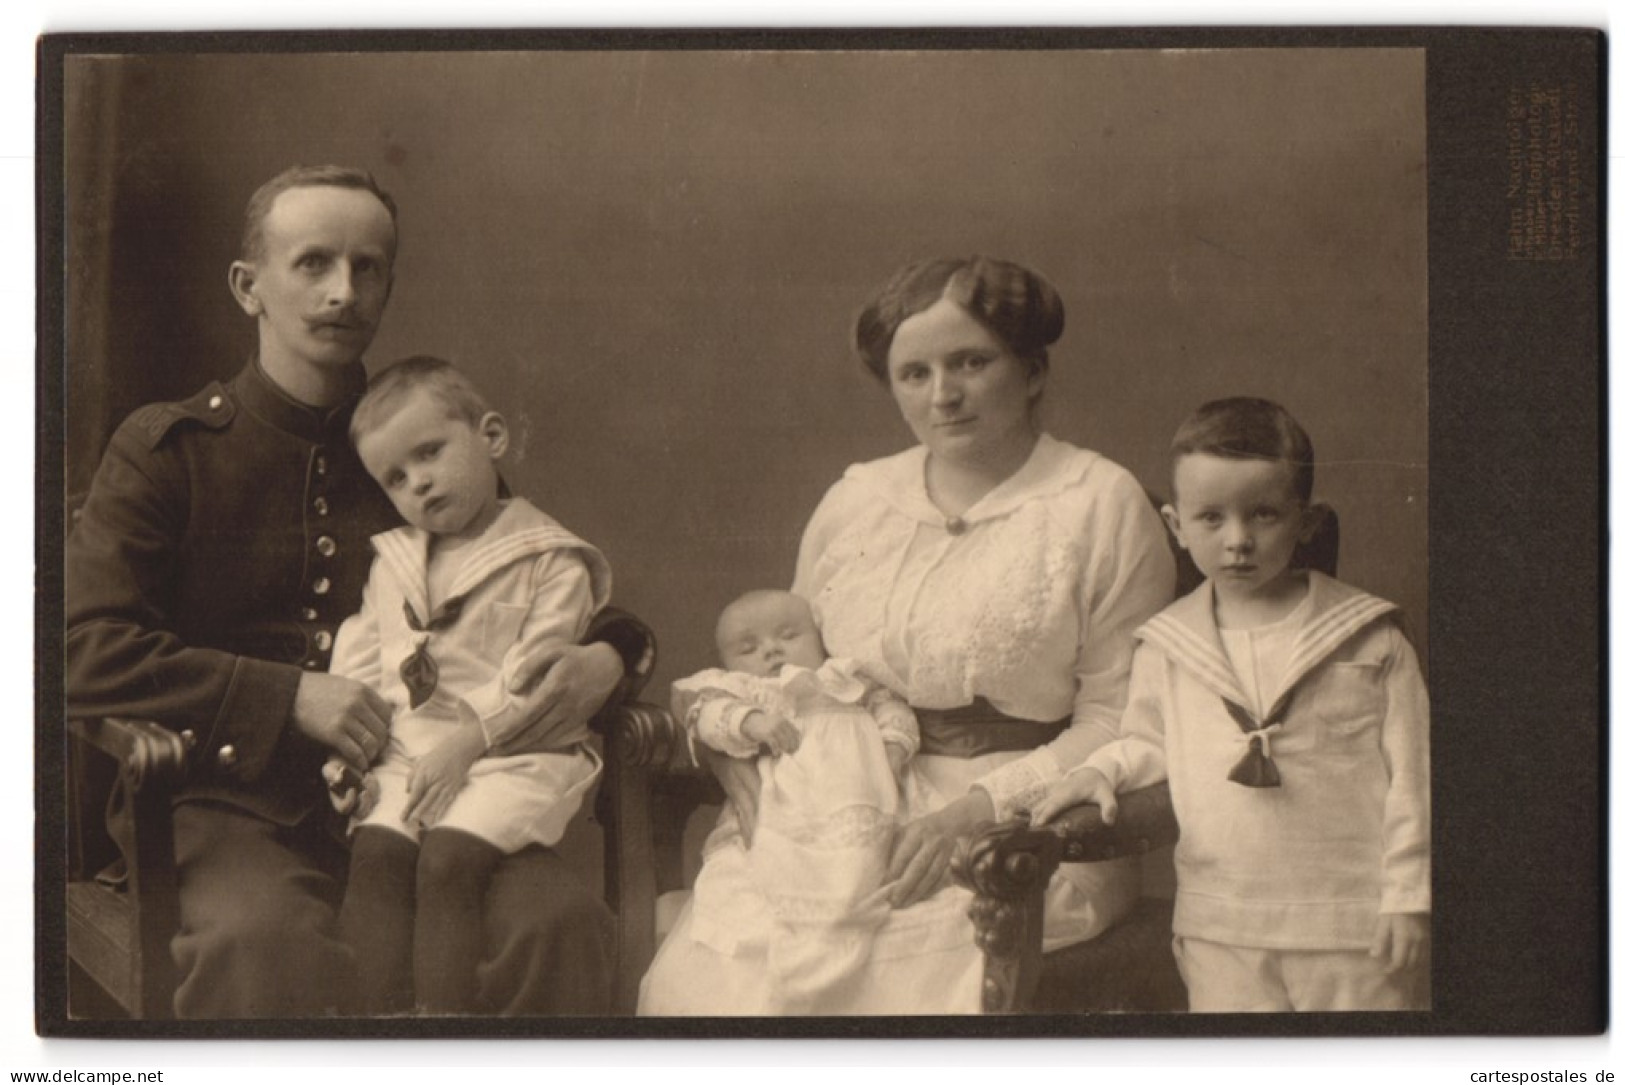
(442, 380)
(259, 204)
(1244, 428)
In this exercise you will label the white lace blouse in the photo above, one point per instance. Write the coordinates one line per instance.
(1030, 601)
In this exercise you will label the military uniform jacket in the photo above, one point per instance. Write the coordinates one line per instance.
(222, 542)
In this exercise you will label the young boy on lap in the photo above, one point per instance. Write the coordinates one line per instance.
(472, 585)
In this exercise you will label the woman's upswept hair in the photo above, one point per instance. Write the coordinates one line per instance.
(1245, 428)
(449, 386)
(259, 204)
(1015, 304)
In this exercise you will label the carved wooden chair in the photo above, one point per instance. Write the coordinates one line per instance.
(1128, 968)
(122, 908)
(121, 895)
(120, 898)
(651, 790)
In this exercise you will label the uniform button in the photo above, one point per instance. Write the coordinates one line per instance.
(326, 547)
(321, 585)
(324, 640)
(320, 505)
(321, 464)
(312, 664)
(189, 738)
(215, 403)
(307, 613)
(955, 526)
(227, 756)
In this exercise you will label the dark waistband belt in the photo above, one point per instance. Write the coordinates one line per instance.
(979, 728)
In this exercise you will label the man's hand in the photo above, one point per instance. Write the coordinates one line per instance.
(439, 775)
(1401, 940)
(897, 758)
(772, 730)
(740, 781)
(562, 690)
(347, 717)
(1083, 785)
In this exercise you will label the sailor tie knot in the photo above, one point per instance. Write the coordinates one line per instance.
(419, 671)
(1256, 767)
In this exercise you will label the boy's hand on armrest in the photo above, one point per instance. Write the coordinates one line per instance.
(1401, 940)
(564, 688)
(344, 715)
(440, 774)
(771, 730)
(1081, 785)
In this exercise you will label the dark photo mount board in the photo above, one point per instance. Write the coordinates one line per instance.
(1515, 530)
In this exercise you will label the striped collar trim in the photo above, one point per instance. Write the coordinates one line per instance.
(520, 531)
(1187, 632)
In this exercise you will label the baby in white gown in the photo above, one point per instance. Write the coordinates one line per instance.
(830, 745)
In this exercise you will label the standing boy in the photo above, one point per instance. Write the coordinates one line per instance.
(1288, 714)
(223, 540)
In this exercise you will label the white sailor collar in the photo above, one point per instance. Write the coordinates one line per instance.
(900, 481)
(1186, 631)
(520, 531)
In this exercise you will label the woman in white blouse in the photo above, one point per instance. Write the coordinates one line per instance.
(992, 576)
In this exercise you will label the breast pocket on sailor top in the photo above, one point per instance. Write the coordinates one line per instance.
(1348, 704)
(503, 621)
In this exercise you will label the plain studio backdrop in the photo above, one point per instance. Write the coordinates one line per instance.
(650, 262)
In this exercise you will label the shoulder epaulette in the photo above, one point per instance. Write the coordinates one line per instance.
(212, 408)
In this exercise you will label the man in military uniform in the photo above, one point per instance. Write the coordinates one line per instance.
(223, 540)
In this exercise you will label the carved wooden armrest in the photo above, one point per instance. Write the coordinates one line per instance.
(120, 920)
(1008, 867)
(1145, 822)
(148, 754)
(643, 735)
(650, 787)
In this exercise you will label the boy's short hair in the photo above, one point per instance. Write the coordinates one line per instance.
(259, 204)
(449, 386)
(1244, 428)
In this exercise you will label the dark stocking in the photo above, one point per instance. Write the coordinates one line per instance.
(376, 919)
(453, 874)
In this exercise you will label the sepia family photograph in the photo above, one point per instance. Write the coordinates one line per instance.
(712, 535)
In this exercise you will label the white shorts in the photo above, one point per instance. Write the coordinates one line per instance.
(1241, 979)
(511, 802)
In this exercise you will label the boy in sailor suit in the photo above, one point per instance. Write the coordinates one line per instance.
(472, 585)
(1288, 714)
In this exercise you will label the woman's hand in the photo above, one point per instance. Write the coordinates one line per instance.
(563, 689)
(924, 847)
(740, 781)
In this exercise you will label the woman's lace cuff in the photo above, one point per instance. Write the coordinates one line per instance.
(1017, 787)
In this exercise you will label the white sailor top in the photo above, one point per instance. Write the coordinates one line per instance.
(528, 585)
(1300, 820)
